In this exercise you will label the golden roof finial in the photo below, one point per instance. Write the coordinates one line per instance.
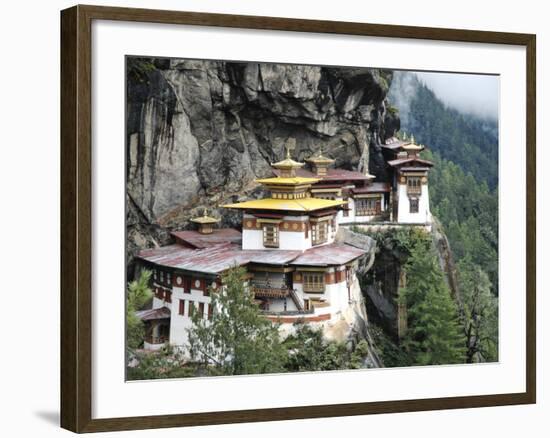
(290, 144)
(412, 139)
(404, 135)
(204, 219)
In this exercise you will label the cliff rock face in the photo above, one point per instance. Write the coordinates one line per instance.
(200, 132)
(382, 282)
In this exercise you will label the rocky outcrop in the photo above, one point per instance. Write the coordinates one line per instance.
(381, 283)
(200, 132)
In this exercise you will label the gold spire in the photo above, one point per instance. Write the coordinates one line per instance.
(320, 163)
(320, 158)
(288, 166)
(412, 147)
(206, 223)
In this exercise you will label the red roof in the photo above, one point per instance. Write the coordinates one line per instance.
(375, 187)
(332, 175)
(160, 313)
(400, 161)
(214, 259)
(329, 255)
(217, 237)
(218, 258)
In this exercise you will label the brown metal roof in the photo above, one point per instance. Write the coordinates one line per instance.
(217, 237)
(214, 259)
(376, 187)
(414, 169)
(332, 175)
(328, 255)
(400, 161)
(218, 258)
(150, 314)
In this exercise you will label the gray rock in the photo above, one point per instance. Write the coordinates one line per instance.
(200, 132)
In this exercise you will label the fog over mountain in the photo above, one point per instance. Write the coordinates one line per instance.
(469, 93)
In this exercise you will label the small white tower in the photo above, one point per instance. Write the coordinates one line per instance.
(411, 185)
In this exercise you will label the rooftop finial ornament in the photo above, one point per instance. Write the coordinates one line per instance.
(290, 144)
(404, 135)
(412, 139)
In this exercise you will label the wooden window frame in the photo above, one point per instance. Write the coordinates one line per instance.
(363, 206)
(316, 238)
(313, 282)
(274, 229)
(414, 205)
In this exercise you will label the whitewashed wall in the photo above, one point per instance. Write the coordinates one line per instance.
(423, 216)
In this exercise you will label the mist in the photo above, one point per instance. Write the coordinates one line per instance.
(468, 93)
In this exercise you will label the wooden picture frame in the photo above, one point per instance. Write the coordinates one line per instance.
(76, 217)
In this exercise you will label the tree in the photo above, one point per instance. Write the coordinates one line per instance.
(309, 351)
(237, 339)
(137, 295)
(434, 335)
(480, 313)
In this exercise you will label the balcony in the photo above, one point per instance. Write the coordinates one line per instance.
(156, 340)
(268, 291)
(414, 190)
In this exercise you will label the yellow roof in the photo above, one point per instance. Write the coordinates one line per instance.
(287, 163)
(413, 147)
(306, 204)
(296, 180)
(320, 158)
(204, 219)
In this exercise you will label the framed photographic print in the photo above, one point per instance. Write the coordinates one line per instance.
(268, 218)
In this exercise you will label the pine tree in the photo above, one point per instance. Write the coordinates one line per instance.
(480, 313)
(137, 295)
(434, 335)
(237, 339)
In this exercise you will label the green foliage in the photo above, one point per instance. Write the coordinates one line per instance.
(480, 312)
(468, 211)
(138, 69)
(237, 339)
(307, 350)
(468, 141)
(137, 295)
(434, 333)
(391, 353)
(402, 240)
(164, 364)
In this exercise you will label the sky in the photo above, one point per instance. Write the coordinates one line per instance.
(470, 93)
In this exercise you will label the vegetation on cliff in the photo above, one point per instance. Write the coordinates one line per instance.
(137, 295)
(435, 332)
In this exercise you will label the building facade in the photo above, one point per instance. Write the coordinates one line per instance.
(296, 269)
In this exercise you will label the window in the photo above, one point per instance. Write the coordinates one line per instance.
(210, 311)
(314, 282)
(168, 296)
(367, 206)
(271, 235)
(181, 309)
(413, 205)
(319, 232)
(414, 184)
(201, 310)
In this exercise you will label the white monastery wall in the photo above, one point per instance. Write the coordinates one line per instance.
(404, 216)
(179, 324)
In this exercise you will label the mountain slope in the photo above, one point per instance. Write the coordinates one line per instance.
(467, 140)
